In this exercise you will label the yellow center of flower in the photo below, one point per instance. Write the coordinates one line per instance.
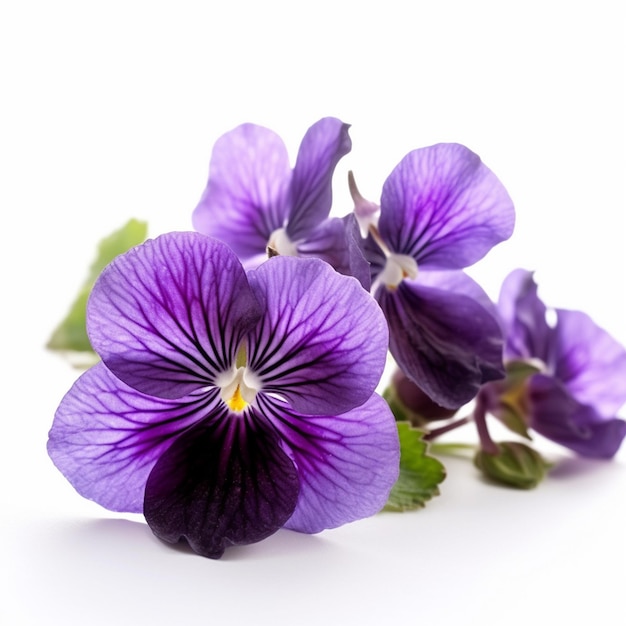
(236, 402)
(239, 384)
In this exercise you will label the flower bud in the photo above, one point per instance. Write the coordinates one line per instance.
(409, 403)
(515, 464)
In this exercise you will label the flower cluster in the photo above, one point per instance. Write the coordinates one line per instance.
(235, 392)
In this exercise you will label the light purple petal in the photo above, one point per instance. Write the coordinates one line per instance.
(221, 483)
(444, 207)
(170, 314)
(556, 415)
(245, 199)
(311, 189)
(523, 317)
(590, 363)
(347, 463)
(441, 337)
(322, 342)
(106, 437)
(334, 241)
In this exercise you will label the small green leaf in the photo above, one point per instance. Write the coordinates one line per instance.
(70, 336)
(420, 474)
(515, 464)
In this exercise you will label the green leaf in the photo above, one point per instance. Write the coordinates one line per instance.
(70, 336)
(420, 474)
(515, 465)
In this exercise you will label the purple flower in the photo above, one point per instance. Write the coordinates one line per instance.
(580, 379)
(228, 405)
(441, 210)
(254, 200)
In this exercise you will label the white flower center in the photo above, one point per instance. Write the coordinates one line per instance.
(280, 243)
(238, 388)
(397, 268)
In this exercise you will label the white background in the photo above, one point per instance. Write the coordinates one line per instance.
(109, 111)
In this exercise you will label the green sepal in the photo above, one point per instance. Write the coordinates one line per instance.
(513, 411)
(420, 474)
(515, 465)
(70, 336)
(400, 412)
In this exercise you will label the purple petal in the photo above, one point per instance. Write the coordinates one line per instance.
(442, 337)
(590, 363)
(245, 198)
(322, 343)
(170, 314)
(444, 207)
(558, 416)
(334, 242)
(347, 463)
(221, 483)
(106, 437)
(311, 189)
(523, 316)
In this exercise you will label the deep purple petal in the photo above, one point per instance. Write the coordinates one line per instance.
(106, 437)
(311, 189)
(442, 338)
(590, 363)
(245, 198)
(170, 314)
(444, 207)
(556, 415)
(523, 317)
(333, 241)
(347, 463)
(322, 342)
(221, 483)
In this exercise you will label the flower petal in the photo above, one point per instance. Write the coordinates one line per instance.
(322, 342)
(558, 416)
(590, 363)
(347, 463)
(444, 207)
(221, 483)
(442, 337)
(335, 242)
(170, 314)
(523, 316)
(106, 437)
(245, 198)
(311, 189)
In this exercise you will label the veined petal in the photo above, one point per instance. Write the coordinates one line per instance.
(245, 198)
(334, 242)
(444, 207)
(311, 189)
(347, 463)
(590, 363)
(558, 416)
(221, 483)
(322, 342)
(106, 436)
(444, 339)
(170, 314)
(523, 317)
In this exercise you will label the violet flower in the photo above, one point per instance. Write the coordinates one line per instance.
(441, 210)
(578, 378)
(255, 202)
(227, 405)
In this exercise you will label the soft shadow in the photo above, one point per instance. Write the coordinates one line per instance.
(574, 467)
(100, 537)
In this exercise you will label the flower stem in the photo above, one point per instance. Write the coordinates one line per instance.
(437, 432)
(480, 419)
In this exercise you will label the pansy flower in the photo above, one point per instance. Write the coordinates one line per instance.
(441, 210)
(575, 380)
(228, 405)
(255, 202)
